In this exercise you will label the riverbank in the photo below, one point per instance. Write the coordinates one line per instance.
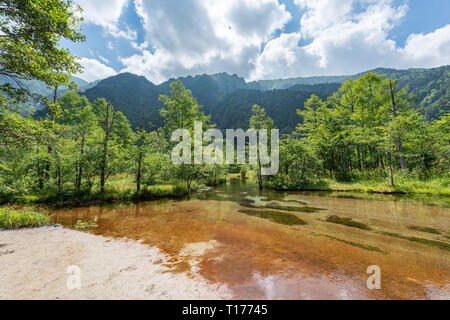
(437, 187)
(432, 187)
(35, 262)
(67, 199)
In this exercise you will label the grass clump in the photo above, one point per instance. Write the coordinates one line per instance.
(404, 184)
(348, 222)
(84, 225)
(277, 217)
(21, 218)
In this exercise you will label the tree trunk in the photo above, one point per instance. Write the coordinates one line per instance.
(108, 127)
(103, 164)
(49, 147)
(139, 174)
(303, 169)
(39, 170)
(394, 114)
(390, 169)
(259, 173)
(359, 158)
(141, 155)
(59, 177)
(80, 166)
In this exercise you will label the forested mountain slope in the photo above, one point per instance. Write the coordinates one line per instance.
(228, 98)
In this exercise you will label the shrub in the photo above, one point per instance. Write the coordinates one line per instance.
(21, 218)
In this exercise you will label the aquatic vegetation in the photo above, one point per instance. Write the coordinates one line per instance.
(294, 209)
(255, 239)
(84, 225)
(348, 222)
(426, 230)
(275, 216)
(294, 201)
(21, 218)
(280, 207)
(433, 243)
(359, 245)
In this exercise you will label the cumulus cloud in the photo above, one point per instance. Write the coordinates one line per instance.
(94, 70)
(194, 36)
(428, 50)
(247, 37)
(349, 36)
(106, 13)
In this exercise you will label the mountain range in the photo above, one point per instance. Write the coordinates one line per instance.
(229, 98)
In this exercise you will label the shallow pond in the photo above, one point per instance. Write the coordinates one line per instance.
(276, 245)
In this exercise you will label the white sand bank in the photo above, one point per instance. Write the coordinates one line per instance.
(34, 262)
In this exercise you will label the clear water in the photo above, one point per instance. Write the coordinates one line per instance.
(276, 245)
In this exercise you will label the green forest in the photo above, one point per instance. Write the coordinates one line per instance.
(367, 134)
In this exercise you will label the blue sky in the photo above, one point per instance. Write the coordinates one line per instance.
(260, 39)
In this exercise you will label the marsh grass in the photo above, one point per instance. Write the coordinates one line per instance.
(404, 184)
(11, 218)
(118, 188)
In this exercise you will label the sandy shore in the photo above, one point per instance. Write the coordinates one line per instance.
(34, 265)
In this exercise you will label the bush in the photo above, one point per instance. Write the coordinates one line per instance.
(21, 218)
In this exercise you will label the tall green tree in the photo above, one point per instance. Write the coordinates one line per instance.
(107, 120)
(181, 110)
(78, 113)
(30, 49)
(259, 121)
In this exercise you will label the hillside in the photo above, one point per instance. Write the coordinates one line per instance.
(430, 86)
(228, 98)
(41, 88)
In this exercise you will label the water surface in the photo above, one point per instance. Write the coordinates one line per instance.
(275, 245)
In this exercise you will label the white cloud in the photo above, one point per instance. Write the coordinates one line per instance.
(321, 15)
(246, 37)
(346, 37)
(94, 70)
(105, 60)
(195, 36)
(429, 50)
(106, 13)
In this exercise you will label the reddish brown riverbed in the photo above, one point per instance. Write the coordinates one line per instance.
(290, 246)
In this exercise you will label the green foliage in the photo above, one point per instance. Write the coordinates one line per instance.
(84, 225)
(300, 166)
(368, 126)
(229, 100)
(31, 34)
(181, 111)
(21, 218)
